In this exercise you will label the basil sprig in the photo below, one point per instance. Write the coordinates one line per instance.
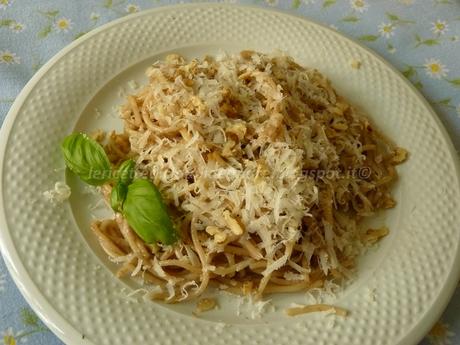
(118, 196)
(125, 172)
(138, 200)
(87, 159)
(146, 213)
(125, 175)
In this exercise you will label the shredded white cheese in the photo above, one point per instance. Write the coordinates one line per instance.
(246, 306)
(130, 297)
(243, 146)
(220, 326)
(91, 190)
(97, 113)
(293, 276)
(60, 193)
(96, 205)
(171, 291)
(138, 268)
(133, 85)
(370, 294)
(184, 289)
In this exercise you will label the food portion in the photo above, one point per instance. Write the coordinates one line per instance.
(251, 175)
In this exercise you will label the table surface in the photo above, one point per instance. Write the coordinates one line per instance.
(419, 37)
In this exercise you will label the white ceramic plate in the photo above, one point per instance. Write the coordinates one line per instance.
(63, 274)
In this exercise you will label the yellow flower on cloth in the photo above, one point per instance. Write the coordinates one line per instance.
(17, 27)
(8, 337)
(13, 338)
(63, 24)
(359, 5)
(5, 3)
(435, 69)
(440, 27)
(8, 57)
(131, 8)
(31, 324)
(440, 334)
(387, 30)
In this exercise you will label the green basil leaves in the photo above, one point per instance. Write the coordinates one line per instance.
(86, 158)
(147, 214)
(138, 200)
(125, 172)
(125, 175)
(118, 196)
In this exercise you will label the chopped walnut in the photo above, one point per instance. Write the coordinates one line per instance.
(219, 235)
(247, 54)
(374, 235)
(356, 64)
(232, 223)
(205, 304)
(399, 155)
(98, 135)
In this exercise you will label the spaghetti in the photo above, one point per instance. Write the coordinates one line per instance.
(242, 149)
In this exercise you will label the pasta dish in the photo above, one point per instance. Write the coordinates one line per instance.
(265, 171)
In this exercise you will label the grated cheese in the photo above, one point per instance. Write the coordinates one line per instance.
(138, 268)
(184, 289)
(133, 85)
(370, 294)
(231, 142)
(97, 113)
(293, 276)
(220, 326)
(60, 193)
(91, 190)
(246, 306)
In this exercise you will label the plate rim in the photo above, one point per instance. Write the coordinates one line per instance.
(57, 323)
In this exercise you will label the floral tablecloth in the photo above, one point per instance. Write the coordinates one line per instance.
(420, 37)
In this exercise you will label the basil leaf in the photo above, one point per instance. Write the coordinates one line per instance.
(147, 214)
(125, 172)
(86, 158)
(118, 196)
